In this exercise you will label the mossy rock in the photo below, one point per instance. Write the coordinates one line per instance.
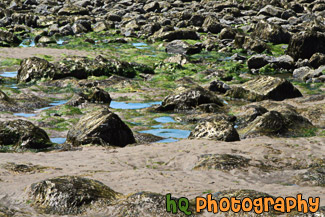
(23, 168)
(23, 134)
(70, 195)
(146, 204)
(8, 39)
(143, 138)
(100, 127)
(186, 99)
(219, 130)
(277, 122)
(34, 68)
(263, 88)
(224, 162)
(314, 177)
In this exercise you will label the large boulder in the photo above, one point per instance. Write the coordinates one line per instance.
(304, 44)
(100, 127)
(182, 47)
(265, 87)
(34, 68)
(69, 195)
(8, 39)
(220, 130)
(188, 99)
(271, 32)
(23, 134)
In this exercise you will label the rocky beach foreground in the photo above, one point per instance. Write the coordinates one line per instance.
(108, 106)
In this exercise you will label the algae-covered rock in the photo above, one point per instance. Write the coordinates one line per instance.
(8, 39)
(220, 130)
(147, 138)
(100, 127)
(23, 168)
(83, 67)
(96, 95)
(34, 68)
(145, 204)
(271, 123)
(69, 195)
(314, 176)
(23, 134)
(225, 162)
(188, 99)
(3, 96)
(265, 87)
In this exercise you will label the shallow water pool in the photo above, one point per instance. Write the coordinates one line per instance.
(9, 74)
(168, 133)
(124, 105)
(58, 140)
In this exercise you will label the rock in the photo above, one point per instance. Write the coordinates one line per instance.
(224, 162)
(227, 33)
(34, 68)
(317, 60)
(196, 20)
(100, 127)
(188, 99)
(96, 95)
(83, 67)
(182, 47)
(270, 124)
(271, 11)
(73, 10)
(314, 176)
(304, 44)
(69, 195)
(46, 40)
(178, 59)
(265, 87)
(218, 86)
(285, 62)
(151, 7)
(23, 168)
(219, 130)
(271, 32)
(143, 138)
(175, 35)
(8, 39)
(23, 134)
(145, 204)
(300, 73)
(282, 121)
(248, 114)
(258, 61)
(4, 96)
(211, 24)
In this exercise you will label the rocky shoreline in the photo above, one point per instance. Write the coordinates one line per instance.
(107, 106)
